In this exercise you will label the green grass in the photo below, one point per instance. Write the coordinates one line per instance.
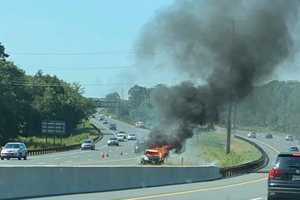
(82, 132)
(212, 148)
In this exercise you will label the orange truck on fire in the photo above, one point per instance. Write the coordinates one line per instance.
(155, 155)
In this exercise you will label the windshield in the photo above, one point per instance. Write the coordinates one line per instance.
(12, 146)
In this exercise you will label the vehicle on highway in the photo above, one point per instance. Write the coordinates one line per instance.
(140, 124)
(284, 177)
(289, 138)
(293, 149)
(131, 136)
(140, 146)
(113, 127)
(105, 122)
(251, 135)
(269, 136)
(88, 145)
(155, 156)
(14, 150)
(113, 141)
(121, 137)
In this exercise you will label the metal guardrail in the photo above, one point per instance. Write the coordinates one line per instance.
(247, 167)
(64, 148)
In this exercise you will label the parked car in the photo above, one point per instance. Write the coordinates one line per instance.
(293, 149)
(14, 150)
(113, 141)
(284, 177)
(289, 138)
(252, 135)
(88, 144)
(131, 136)
(269, 136)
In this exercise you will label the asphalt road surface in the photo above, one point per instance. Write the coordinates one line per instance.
(122, 155)
(247, 187)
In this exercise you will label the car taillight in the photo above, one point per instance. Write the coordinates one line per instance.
(274, 173)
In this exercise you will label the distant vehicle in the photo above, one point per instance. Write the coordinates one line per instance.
(140, 124)
(289, 138)
(105, 122)
(284, 177)
(131, 136)
(293, 149)
(269, 136)
(101, 118)
(88, 144)
(252, 135)
(14, 150)
(113, 141)
(140, 146)
(113, 127)
(121, 137)
(155, 156)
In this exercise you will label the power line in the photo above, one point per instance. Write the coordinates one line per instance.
(70, 53)
(85, 68)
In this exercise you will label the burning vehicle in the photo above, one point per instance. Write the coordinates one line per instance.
(155, 155)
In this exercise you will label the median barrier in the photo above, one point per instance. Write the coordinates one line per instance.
(247, 167)
(34, 181)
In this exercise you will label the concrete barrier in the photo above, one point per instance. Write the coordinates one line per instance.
(20, 182)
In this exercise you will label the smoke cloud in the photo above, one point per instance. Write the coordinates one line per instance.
(230, 44)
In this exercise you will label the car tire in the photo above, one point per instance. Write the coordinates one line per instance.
(8, 158)
(25, 157)
(19, 158)
(2, 158)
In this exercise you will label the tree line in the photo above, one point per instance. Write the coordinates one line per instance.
(26, 101)
(274, 105)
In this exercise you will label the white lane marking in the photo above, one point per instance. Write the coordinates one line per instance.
(258, 198)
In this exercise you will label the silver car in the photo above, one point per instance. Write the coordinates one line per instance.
(14, 150)
(88, 144)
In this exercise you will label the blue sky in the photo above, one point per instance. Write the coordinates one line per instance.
(108, 27)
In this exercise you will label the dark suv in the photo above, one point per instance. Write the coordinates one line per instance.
(284, 177)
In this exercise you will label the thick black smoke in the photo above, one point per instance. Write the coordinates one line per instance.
(231, 44)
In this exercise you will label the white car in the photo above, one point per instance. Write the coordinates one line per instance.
(113, 142)
(14, 150)
(131, 137)
(88, 144)
(140, 124)
(252, 135)
(289, 138)
(121, 137)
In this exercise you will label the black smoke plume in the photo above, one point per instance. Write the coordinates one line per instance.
(230, 44)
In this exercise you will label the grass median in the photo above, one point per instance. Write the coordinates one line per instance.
(83, 131)
(212, 149)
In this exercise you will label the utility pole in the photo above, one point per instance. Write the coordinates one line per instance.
(229, 116)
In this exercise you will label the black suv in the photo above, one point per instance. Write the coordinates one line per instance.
(284, 177)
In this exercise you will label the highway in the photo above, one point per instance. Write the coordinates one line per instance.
(247, 187)
(122, 155)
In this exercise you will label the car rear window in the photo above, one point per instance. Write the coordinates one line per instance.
(287, 161)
